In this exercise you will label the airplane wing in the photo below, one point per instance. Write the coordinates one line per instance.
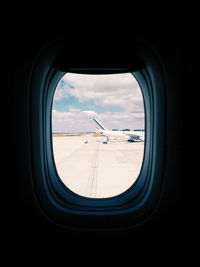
(135, 136)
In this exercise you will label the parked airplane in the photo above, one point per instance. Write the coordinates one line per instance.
(130, 136)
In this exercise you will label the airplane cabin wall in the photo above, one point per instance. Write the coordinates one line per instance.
(167, 225)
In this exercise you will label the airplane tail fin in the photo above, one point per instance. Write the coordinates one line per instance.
(99, 124)
(97, 128)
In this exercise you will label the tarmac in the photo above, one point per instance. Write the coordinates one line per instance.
(96, 170)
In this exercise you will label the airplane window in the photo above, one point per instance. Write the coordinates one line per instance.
(98, 133)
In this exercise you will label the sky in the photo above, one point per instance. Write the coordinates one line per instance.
(115, 100)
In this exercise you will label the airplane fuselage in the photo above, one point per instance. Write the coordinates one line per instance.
(120, 134)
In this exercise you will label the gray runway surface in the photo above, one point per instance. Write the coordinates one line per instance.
(97, 170)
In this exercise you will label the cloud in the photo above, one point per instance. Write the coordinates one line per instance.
(122, 120)
(74, 120)
(81, 121)
(61, 91)
(90, 113)
(60, 94)
(121, 90)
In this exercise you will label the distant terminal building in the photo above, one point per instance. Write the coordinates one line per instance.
(127, 130)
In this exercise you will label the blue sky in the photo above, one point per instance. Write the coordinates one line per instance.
(65, 104)
(115, 100)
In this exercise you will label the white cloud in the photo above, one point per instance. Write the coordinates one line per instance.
(120, 90)
(81, 121)
(90, 113)
(73, 121)
(122, 120)
(60, 93)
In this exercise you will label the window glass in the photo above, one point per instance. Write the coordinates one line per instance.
(98, 133)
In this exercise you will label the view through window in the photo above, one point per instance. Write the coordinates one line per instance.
(98, 133)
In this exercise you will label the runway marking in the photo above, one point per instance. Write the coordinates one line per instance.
(95, 170)
(91, 188)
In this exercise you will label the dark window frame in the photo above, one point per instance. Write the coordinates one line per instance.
(60, 203)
